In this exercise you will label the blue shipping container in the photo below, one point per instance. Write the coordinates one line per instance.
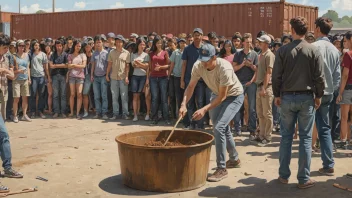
(5, 28)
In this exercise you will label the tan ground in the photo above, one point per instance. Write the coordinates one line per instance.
(80, 159)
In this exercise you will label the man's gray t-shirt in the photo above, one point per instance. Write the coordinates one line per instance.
(101, 62)
(245, 74)
(143, 58)
(37, 64)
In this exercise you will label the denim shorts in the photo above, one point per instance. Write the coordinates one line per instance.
(138, 83)
(87, 85)
(74, 80)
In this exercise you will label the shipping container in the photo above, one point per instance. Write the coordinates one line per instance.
(5, 28)
(5, 17)
(224, 19)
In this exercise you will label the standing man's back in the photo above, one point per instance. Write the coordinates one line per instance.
(298, 85)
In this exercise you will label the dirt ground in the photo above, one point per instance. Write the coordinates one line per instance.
(80, 159)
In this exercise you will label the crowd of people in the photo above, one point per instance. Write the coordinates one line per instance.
(255, 83)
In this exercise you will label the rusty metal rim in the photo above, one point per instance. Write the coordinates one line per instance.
(164, 147)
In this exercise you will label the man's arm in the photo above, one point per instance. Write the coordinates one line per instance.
(318, 75)
(108, 70)
(237, 66)
(277, 74)
(336, 76)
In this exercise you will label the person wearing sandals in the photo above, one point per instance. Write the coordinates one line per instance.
(5, 148)
(22, 81)
(140, 63)
(39, 71)
(98, 74)
(332, 75)
(77, 61)
(298, 86)
(58, 65)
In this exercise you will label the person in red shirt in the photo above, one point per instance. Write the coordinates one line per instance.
(345, 95)
(158, 79)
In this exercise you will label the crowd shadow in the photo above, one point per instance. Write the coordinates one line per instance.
(257, 187)
(275, 154)
(114, 185)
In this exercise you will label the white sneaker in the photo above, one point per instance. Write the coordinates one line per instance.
(105, 117)
(135, 119)
(113, 118)
(26, 118)
(15, 119)
(147, 118)
(85, 114)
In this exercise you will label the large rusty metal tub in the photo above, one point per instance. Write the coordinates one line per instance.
(164, 169)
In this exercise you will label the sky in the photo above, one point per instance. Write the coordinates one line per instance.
(343, 7)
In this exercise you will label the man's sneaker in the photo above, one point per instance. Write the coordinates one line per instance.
(105, 117)
(4, 189)
(15, 119)
(153, 123)
(126, 117)
(97, 116)
(233, 164)
(42, 116)
(85, 114)
(26, 118)
(263, 142)
(252, 137)
(135, 119)
(341, 144)
(12, 173)
(147, 118)
(256, 139)
(218, 175)
(327, 172)
(55, 115)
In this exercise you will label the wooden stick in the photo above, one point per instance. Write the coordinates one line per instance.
(172, 131)
(19, 192)
(342, 187)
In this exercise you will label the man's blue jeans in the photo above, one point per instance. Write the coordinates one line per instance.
(335, 117)
(38, 85)
(296, 108)
(59, 93)
(119, 87)
(324, 131)
(5, 148)
(158, 85)
(276, 114)
(221, 117)
(196, 102)
(100, 89)
(251, 92)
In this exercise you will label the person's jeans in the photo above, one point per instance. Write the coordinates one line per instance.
(296, 108)
(276, 114)
(158, 85)
(59, 93)
(100, 89)
(9, 104)
(221, 117)
(38, 85)
(335, 117)
(196, 102)
(175, 94)
(5, 148)
(324, 131)
(119, 87)
(251, 92)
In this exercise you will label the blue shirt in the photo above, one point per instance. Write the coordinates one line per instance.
(331, 58)
(100, 59)
(245, 74)
(176, 57)
(191, 55)
(22, 65)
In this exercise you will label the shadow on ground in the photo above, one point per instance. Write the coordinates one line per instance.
(114, 185)
(257, 187)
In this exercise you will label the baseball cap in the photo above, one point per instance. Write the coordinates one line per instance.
(111, 35)
(200, 31)
(181, 40)
(13, 43)
(20, 42)
(120, 37)
(206, 52)
(103, 37)
(134, 35)
(264, 39)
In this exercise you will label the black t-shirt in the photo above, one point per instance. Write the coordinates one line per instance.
(62, 59)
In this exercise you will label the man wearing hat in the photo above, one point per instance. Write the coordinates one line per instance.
(264, 97)
(110, 39)
(189, 57)
(134, 37)
(118, 64)
(227, 98)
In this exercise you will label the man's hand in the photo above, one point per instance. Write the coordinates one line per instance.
(147, 83)
(317, 102)
(199, 114)
(107, 78)
(127, 81)
(29, 82)
(182, 112)
(91, 78)
(338, 99)
(182, 84)
(262, 92)
(278, 101)
(248, 83)
(53, 66)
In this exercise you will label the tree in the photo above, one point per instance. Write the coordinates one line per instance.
(40, 12)
(345, 23)
(347, 18)
(332, 14)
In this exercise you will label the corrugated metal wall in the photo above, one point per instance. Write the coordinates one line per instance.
(6, 17)
(224, 19)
